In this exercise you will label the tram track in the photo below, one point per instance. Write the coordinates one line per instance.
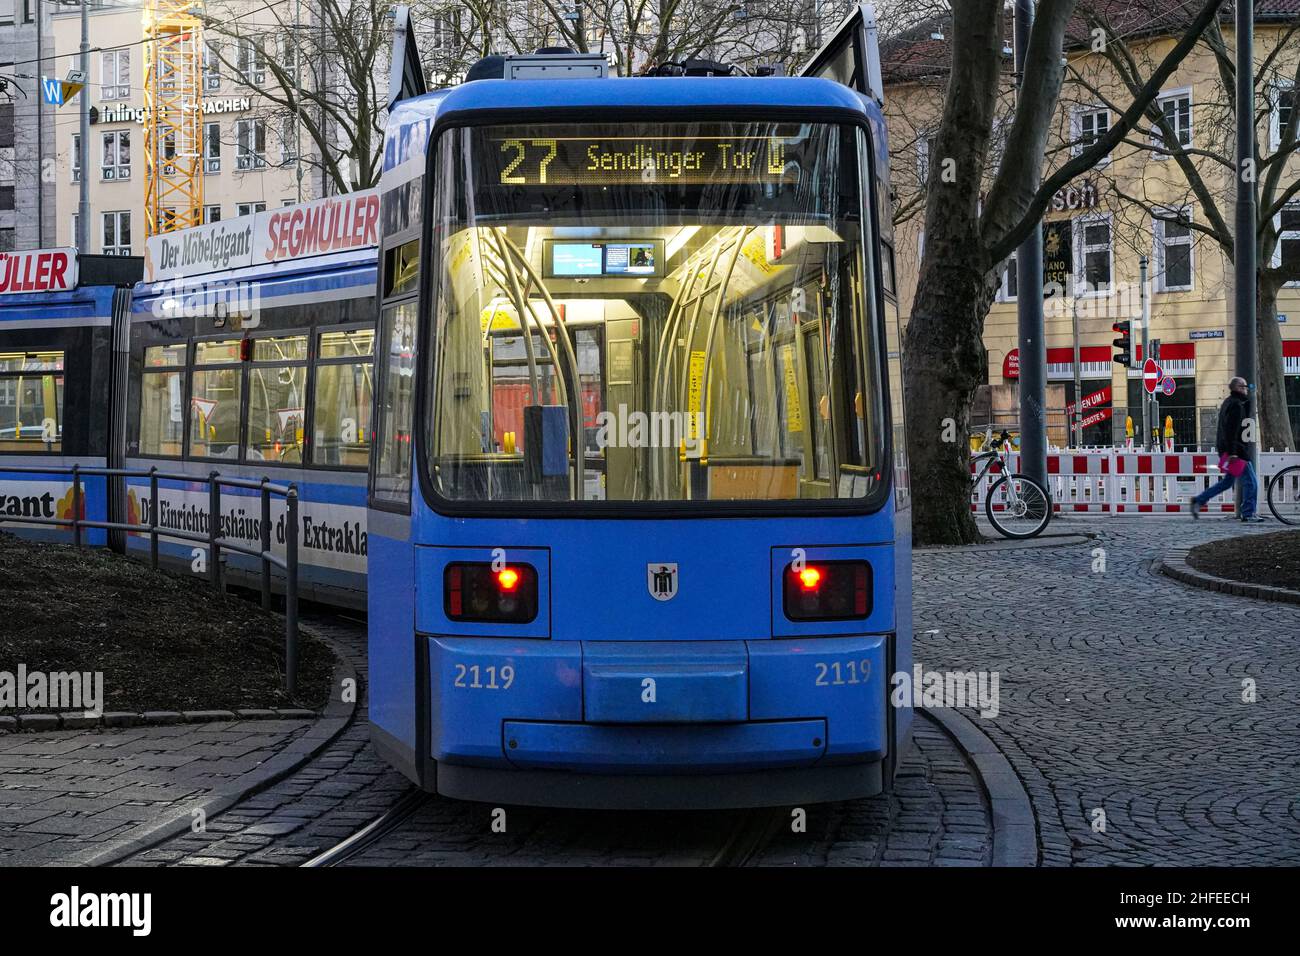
(373, 832)
(752, 832)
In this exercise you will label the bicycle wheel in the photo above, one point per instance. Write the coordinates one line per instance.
(1284, 495)
(1017, 506)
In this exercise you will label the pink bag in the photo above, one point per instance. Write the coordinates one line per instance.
(1232, 465)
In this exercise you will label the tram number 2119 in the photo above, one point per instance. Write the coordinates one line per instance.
(471, 677)
(833, 674)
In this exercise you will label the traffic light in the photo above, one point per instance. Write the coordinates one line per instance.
(1124, 343)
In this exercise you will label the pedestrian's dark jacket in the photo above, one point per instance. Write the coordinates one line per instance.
(1231, 415)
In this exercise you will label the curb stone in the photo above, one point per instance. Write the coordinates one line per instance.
(76, 720)
(1015, 828)
(1173, 564)
(335, 718)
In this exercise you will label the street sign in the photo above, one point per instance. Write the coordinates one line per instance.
(57, 92)
(1167, 385)
(1151, 376)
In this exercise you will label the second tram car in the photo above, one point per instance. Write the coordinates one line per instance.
(638, 507)
(251, 355)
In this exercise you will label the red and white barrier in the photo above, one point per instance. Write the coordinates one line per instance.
(1118, 481)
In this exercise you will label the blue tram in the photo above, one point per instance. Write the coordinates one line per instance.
(639, 527)
(63, 328)
(251, 355)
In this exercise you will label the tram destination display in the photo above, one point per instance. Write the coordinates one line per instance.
(617, 159)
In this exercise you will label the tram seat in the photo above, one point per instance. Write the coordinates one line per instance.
(753, 478)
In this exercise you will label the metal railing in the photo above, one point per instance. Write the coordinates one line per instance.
(214, 541)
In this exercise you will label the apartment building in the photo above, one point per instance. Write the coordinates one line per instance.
(249, 144)
(27, 132)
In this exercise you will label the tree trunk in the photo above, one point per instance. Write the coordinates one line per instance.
(1271, 407)
(944, 364)
(943, 350)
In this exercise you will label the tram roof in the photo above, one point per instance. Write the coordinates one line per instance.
(776, 93)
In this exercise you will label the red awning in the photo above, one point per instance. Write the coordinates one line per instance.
(1291, 348)
(1087, 353)
(1170, 350)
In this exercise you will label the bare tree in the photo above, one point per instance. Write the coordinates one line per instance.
(966, 239)
(1200, 171)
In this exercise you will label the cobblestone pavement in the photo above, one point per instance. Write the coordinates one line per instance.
(1122, 694)
(937, 814)
(1120, 704)
(66, 794)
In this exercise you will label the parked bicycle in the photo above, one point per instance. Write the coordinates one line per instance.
(1016, 505)
(1284, 495)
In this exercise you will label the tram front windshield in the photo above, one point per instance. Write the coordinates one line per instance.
(653, 313)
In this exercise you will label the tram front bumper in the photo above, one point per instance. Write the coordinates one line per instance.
(681, 707)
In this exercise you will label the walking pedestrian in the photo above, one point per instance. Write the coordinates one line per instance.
(1234, 456)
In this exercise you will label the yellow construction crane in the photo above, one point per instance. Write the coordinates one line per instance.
(173, 115)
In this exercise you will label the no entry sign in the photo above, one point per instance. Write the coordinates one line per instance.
(1151, 376)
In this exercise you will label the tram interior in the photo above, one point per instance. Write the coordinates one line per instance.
(717, 361)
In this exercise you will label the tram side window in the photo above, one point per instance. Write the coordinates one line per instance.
(214, 404)
(277, 400)
(31, 402)
(162, 396)
(343, 398)
(397, 403)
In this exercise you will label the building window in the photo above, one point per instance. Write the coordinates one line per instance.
(445, 29)
(1008, 280)
(1092, 256)
(1173, 250)
(211, 214)
(249, 208)
(1177, 110)
(250, 144)
(251, 63)
(117, 233)
(76, 230)
(6, 12)
(117, 155)
(1284, 97)
(289, 56)
(924, 149)
(115, 75)
(76, 157)
(211, 66)
(212, 147)
(289, 140)
(1288, 239)
(1089, 126)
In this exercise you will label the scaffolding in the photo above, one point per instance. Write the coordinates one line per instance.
(173, 115)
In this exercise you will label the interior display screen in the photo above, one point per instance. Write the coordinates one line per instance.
(578, 259)
(606, 160)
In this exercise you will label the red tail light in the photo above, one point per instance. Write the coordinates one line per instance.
(474, 591)
(828, 591)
